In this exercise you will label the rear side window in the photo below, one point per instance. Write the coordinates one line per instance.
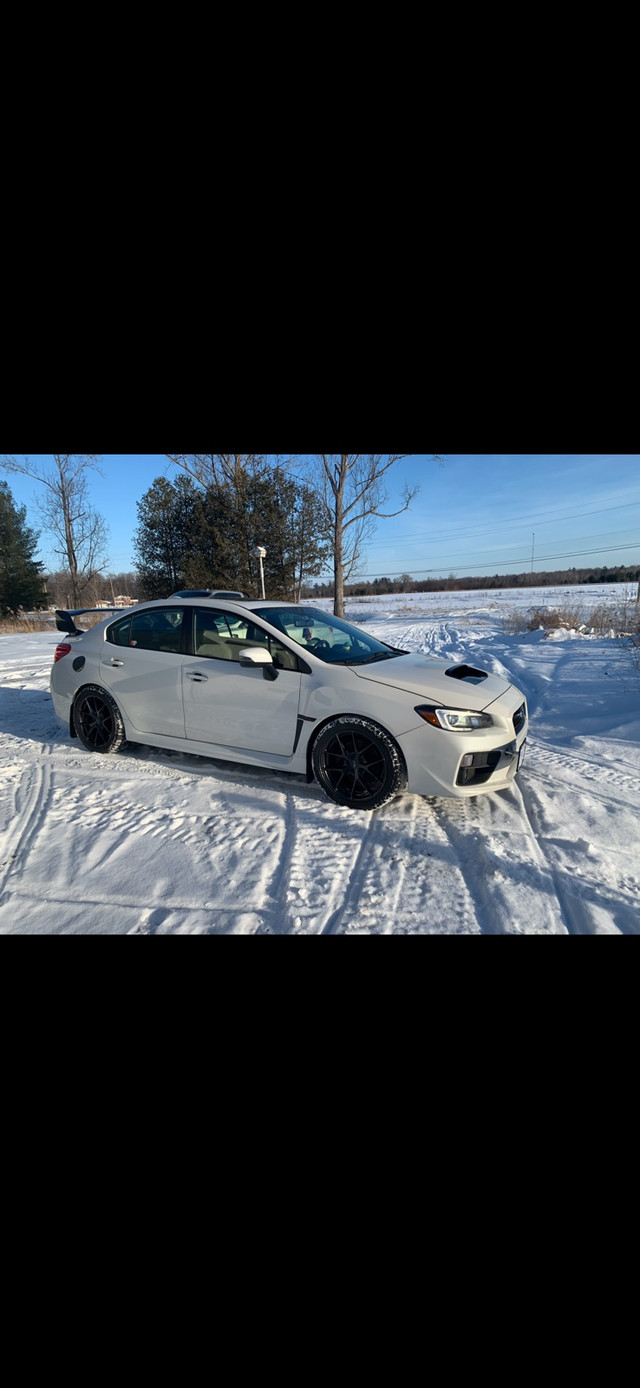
(118, 634)
(157, 631)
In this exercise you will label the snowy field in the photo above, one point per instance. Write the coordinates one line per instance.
(153, 842)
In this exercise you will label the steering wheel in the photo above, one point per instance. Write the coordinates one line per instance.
(317, 644)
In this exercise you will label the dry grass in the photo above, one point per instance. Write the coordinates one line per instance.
(11, 626)
(14, 626)
(602, 620)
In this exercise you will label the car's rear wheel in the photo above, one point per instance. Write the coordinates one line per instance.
(98, 721)
(358, 764)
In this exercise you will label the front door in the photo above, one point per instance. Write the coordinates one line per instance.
(230, 705)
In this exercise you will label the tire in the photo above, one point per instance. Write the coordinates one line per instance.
(98, 721)
(358, 764)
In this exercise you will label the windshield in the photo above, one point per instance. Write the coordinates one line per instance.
(330, 638)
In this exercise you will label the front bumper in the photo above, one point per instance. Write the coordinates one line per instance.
(476, 768)
(465, 764)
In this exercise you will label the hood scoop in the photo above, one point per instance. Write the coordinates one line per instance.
(468, 673)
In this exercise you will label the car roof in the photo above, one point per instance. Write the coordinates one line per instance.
(198, 602)
(253, 604)
(233, 605)
(264, 602)
(209, 593)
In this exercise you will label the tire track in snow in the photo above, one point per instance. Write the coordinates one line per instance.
(589, 905)
(32, 797)
(96, 915)
(513, 890)
(353, 886)
(314, 870)
(321, 846)
(280, 878)
(406, 880)
(580, 765)
(520, 789)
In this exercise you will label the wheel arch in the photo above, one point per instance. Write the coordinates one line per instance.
(103, 688)
(330, 718)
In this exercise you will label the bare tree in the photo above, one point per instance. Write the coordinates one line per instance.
(354, 491)
(79, 533)
(219, 471)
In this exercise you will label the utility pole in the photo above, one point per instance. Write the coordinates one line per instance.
(533, 540)
(260, 554)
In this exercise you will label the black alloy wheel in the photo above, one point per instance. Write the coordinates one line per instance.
(358, 764)
(98, 721)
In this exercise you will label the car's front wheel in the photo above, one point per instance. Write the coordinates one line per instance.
(358, 764)
(98, 721)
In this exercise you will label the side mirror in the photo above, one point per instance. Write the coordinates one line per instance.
(253, 656)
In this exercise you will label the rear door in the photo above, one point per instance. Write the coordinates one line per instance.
(227, 704)
(141, 664)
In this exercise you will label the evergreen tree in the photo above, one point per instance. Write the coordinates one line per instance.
(21, 583)
(248, 500)
(215, 549)
(163, 541)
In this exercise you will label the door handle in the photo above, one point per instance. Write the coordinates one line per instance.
(199, 679)
(113, 661)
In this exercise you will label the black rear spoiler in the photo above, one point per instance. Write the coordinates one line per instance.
(65, 622)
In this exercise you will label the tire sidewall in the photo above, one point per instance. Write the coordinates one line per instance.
(118, 739)
(396, 777)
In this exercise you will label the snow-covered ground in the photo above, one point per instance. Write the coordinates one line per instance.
(152, 842)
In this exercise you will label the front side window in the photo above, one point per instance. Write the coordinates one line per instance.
(157, 631)
(221, 635)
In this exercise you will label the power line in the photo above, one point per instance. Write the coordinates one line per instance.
(390, 573)
(633, 540)
(437, 536)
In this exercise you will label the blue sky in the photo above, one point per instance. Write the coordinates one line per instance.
(479, 513)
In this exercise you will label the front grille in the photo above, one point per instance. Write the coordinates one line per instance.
(519, 718)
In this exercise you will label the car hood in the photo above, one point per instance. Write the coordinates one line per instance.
(426, 676)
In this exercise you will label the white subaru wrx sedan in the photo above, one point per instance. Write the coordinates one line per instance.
(286, 686)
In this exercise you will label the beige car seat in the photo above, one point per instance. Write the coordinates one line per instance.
(212, 644)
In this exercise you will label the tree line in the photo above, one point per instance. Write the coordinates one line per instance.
(203, 528)
(562, 578)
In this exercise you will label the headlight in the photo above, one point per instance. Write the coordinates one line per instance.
(454, 720)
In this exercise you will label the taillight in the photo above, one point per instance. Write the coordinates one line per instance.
(62, 648)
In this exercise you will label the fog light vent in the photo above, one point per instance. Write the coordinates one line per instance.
(476, 767)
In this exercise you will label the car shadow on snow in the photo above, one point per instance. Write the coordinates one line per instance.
(29, 713)
(219, 768)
